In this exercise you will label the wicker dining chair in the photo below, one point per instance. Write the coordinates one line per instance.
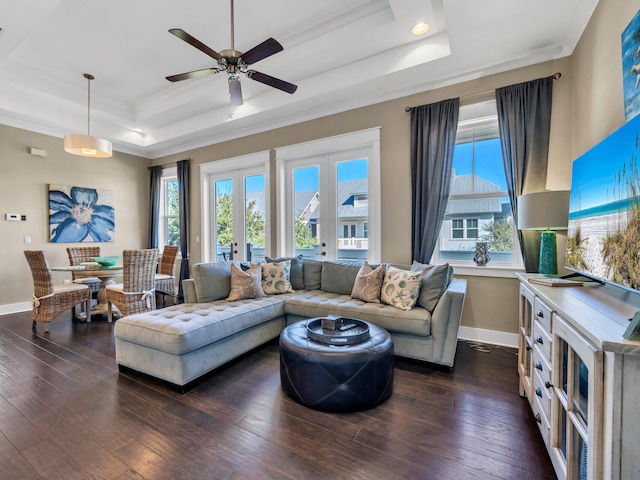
(165, 280)
(136, 293)
(49, 301)
(78, 255)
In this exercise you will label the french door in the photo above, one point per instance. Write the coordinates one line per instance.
(328, 198)
(235, 209)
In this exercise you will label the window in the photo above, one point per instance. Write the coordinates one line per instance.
(478, 208)
(326, 190)
(235, 208)
(169, 224)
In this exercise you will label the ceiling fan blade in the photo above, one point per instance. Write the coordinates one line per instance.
(182, 35)
(272, 81)
(195, 74)
(259, 52)
(235, 91)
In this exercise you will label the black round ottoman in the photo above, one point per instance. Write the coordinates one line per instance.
(336, 378)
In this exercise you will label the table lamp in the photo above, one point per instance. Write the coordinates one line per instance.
(546, 211)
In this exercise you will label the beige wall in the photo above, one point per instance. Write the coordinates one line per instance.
(587, 106)
(24, 181)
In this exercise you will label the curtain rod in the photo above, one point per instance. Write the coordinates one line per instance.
(171, 164)
(556, 76)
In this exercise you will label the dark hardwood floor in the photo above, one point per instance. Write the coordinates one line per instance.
(66, 412)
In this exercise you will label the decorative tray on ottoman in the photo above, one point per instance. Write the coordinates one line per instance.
(334, 330)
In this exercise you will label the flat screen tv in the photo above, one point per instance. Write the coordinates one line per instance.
(603, 240)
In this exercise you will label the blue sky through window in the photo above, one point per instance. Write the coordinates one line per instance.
(306, 179)
(488, 164)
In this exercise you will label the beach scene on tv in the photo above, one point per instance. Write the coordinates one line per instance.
(604, 211)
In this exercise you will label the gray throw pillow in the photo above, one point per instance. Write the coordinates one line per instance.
(212, 281)
(246, 284)
(296, 276)
(434, 282)
(312, 270)
(339, 277)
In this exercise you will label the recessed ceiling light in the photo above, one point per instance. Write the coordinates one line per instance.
(420, 28)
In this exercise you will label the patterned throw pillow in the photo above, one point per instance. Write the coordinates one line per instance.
(401, 288)
(245, 284)
(368, 283)
(275, 277)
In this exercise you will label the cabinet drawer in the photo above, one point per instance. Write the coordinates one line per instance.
(542, 393)
(542, 313)
(542, 340)
(542, 421)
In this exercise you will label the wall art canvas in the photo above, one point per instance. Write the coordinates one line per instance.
(631, 67)
(78, 214)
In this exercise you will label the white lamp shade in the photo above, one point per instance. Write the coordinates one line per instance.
(87, 146)
(544, 210)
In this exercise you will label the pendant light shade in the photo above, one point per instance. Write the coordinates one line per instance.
(86, 145)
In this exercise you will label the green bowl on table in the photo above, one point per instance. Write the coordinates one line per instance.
(107, 261)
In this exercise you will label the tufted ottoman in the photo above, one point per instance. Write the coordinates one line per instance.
(336, 378)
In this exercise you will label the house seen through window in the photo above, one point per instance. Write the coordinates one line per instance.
(478, 209)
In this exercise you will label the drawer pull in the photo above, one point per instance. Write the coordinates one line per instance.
(528, 347)
(539, 340)
(538, 418)
(540, 314)
(539, 365)
(539, 392)
(547, 384)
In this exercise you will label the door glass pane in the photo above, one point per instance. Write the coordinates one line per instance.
(580, 451)
(563, 432)
(306, 211)
(254, 208)
(353, 209)
(580, 388)
(564, 352)
(224, 219)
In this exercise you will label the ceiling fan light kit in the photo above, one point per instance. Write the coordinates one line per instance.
(86, 145)
(234, 62)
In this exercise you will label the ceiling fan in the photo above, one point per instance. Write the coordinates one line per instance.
(234, 62)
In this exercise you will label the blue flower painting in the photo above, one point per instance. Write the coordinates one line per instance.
(80, 214)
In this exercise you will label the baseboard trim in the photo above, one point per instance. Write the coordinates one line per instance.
(15, 308)
(493, 337)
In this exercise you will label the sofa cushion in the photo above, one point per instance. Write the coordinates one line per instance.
(212, 281)
(296, 276)
(435, 280)
(368, 283)
(245, 284)
(317, 303)
(339, 277)
(182, 328)
(312, 270)
(275, 278)
(401, 288)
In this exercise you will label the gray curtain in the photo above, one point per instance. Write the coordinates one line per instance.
(524, 120)
(433, 138)
(183, 205)
(154, 205)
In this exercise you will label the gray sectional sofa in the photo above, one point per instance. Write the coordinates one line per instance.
(179, 344)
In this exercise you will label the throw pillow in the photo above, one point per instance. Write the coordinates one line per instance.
(338, 276)
(401, 288)
(245, 284)
(296, 277)
(368, 283)
(433, 284)
(275, 278)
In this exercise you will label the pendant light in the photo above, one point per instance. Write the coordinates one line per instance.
(86, 145)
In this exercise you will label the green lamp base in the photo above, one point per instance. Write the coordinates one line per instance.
(548, 254)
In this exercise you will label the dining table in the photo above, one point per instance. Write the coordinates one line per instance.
(105, 273)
